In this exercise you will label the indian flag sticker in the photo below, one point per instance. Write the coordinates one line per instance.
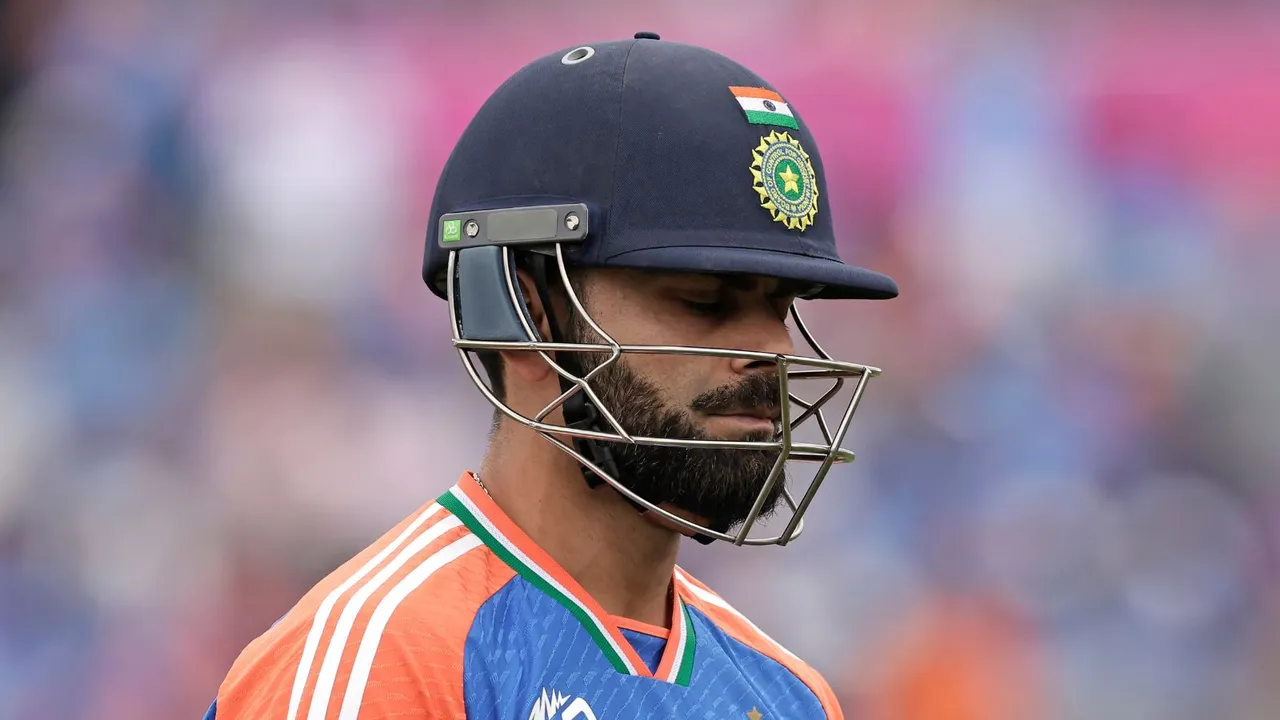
(764, 107)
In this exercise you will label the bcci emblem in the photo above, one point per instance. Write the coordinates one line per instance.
(785, 180)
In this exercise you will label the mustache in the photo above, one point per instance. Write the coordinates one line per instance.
(758, 390)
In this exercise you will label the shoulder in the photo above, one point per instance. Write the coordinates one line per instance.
(736, 625)
(382, 635)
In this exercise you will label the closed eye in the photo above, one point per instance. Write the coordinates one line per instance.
(710, 309)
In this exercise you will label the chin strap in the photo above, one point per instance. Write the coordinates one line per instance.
(579, 412)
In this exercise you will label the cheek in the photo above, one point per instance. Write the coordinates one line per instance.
(679, 379)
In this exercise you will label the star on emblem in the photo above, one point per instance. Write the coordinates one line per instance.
(755, 714)
(790, 180)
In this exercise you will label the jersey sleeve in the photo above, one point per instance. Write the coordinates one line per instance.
(385, 638)
(414, 674)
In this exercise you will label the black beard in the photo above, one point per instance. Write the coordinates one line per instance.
(720, 485)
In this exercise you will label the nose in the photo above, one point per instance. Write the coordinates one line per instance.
(763, 331)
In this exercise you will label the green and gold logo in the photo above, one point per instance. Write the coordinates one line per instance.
(785, 180)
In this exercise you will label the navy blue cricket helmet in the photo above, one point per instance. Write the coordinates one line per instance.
(643, 154)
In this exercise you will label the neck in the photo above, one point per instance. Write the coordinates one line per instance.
(624, 561)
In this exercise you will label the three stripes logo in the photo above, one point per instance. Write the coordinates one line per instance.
(555, 705)
(381, 588)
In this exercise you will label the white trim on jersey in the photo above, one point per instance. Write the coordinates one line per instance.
(321, 618)
(333, 655)
(382, 614)
(714, 599)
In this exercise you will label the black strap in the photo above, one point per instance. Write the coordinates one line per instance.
(579, 412)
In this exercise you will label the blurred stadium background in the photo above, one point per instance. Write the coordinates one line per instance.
(220, 374)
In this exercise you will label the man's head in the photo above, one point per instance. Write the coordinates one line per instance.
(684, 195)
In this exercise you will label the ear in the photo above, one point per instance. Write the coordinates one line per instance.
(528, 365)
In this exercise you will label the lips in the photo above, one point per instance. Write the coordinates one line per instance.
(772, 414)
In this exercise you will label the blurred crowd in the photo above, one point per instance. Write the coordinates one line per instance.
(221, 374)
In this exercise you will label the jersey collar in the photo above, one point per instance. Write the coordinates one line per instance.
(470, 504)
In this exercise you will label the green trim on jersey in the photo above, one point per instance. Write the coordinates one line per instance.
(458, 504)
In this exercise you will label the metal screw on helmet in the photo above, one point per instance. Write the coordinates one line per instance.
(571, 221)
(472, 229)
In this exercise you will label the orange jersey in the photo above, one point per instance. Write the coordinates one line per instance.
(456, 613)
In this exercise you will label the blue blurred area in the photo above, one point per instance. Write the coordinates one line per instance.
(222, 376)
